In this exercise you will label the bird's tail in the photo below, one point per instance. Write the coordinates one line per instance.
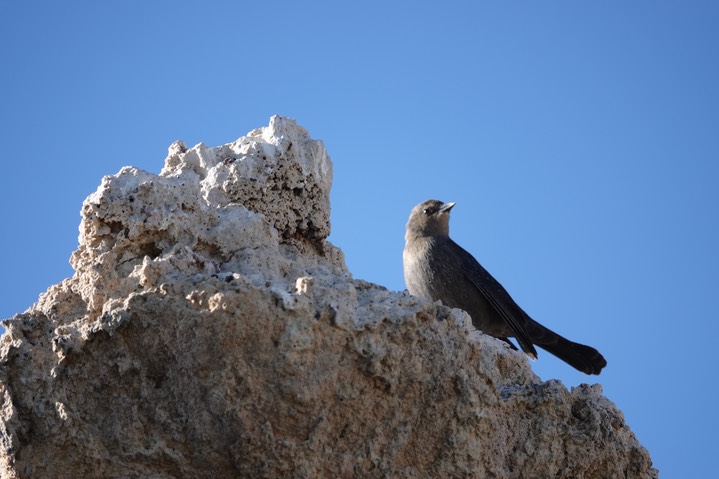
(582, 357)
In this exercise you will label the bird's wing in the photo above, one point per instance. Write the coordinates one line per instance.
(498, 298)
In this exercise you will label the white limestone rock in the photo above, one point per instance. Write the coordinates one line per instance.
(211, 331)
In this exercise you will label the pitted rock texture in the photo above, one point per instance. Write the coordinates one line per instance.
(211, 331)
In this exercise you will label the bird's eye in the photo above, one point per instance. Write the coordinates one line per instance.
(429, 211)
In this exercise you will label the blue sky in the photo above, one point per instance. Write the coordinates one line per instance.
(580, 141)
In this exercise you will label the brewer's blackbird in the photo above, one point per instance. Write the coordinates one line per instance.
(437, 268)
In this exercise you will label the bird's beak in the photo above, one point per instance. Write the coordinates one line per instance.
(446, 207)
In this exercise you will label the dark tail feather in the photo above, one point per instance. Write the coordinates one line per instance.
(584, 358)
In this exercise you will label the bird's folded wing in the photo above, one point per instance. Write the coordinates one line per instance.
(503, 304)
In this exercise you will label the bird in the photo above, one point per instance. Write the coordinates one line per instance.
(437, 268)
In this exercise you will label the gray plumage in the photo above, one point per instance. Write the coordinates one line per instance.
(437, 268)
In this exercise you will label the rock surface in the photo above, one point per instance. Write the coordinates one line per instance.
(211, 331)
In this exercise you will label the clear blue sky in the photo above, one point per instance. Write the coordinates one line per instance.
(580, 141)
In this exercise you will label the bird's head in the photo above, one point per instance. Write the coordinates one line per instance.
(430, 218)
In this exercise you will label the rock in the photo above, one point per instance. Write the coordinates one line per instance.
(211, 331)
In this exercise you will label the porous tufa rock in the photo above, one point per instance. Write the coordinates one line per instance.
(279, 171)
(211, 331)
(211, 210)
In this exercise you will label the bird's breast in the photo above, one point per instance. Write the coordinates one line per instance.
(421, 266)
